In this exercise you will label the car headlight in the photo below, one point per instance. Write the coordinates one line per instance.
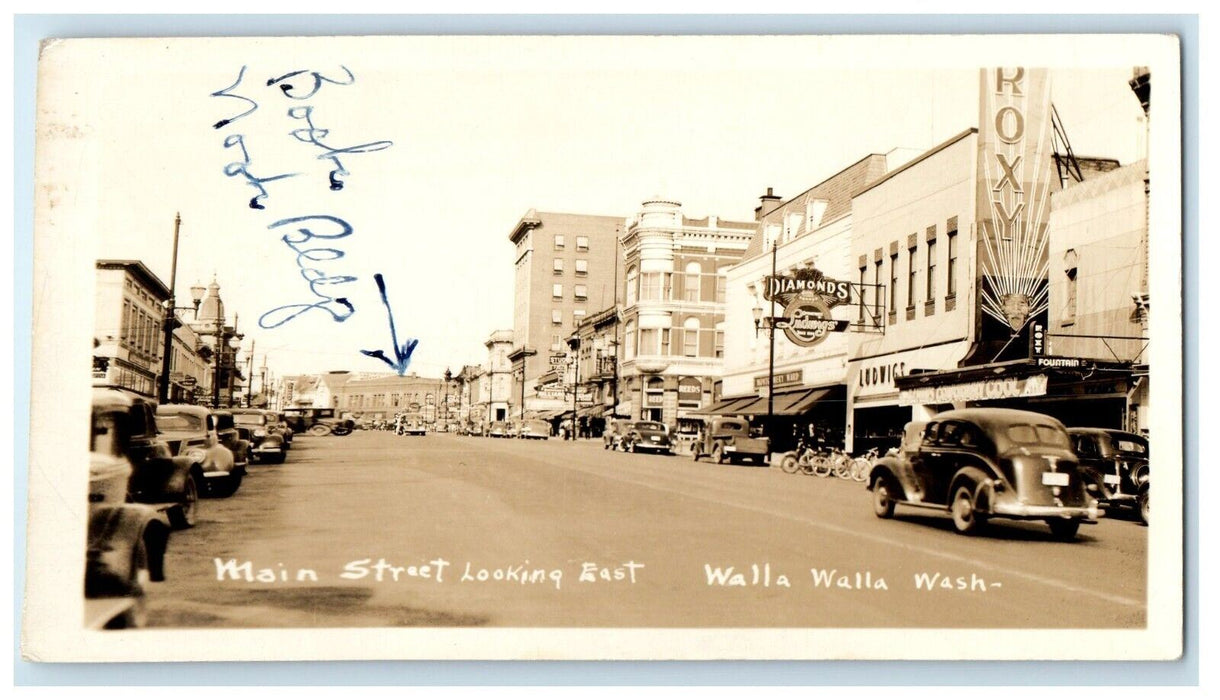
(195, 454)
(259, 432)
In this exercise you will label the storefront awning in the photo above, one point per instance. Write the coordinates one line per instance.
(794, 403)
(591, 411)
(726, 407)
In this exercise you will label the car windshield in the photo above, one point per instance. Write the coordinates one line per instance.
(172, 420)
(248, 419)
(1037, 434)
(660, 427)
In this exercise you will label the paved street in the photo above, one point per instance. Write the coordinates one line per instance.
(447, 511)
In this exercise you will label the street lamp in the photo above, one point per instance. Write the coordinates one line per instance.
(171, 319)
(770, 323)
(445, 401)
(574, 344)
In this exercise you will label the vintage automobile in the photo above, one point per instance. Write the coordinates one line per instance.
(263, 434)
(536, 429)
(616, 430)
(126, 543)
(410, 424)
(729, 440)
(190, 431)
(167, 483)
(647, 436)
(1116, 464)
(498, 429)
(980, 463)
(282, 425)
(232, 437)
(317, 421)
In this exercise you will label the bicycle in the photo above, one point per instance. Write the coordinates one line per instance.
(860, 466)
(840, 463)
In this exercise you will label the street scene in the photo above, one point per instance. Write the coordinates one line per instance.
(492, 357)
(474, 531)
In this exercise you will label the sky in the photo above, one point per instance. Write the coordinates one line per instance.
(468, 134)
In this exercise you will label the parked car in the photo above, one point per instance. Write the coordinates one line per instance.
(648, 436)
(535, 430)
(167, 483)
(126, 542)
(317, 421)
(616, 430)
(982, 463)
(190, 431)
(233, 438)
(730, 440)
(284, 429)
(498, 429)
(266, 443)
(410, 424)
(1116, 464)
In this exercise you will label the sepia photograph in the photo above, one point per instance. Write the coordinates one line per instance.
(606, 347)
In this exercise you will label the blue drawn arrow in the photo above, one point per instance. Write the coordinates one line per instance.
(402, 352)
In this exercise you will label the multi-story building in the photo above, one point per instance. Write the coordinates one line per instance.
(496, 383)
(597, 344)
(221, 341)
(129, 319)
(673, 308)
(565, 265)
(381, 396)
(797, 264)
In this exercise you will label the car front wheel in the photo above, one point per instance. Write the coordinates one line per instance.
(718, 454)
(184, 515)
(1142, 501)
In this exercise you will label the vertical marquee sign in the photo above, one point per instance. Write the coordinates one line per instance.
(1014, 187)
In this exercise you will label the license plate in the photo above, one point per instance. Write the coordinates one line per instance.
(1055, 478)
(655, 438)
(1111, 479)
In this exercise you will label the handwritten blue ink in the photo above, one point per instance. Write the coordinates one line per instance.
(318, 280)
(318, 79)
(314, 135)
(402, 353)
(225, 93)
(242, 168)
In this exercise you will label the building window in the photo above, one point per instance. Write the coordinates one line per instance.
(558, 266)
(124, 330)
(860, 315)
(556, 291)
(582, 292)
(690, 287)
(648, 341)
(629, 340)
(582, 243)
(556, 342)
(931, 277)
(911, 278)
(951, 267)
(577, 316)
(650, 286)
(632, 280)
(557, 317)
(559, 241)
(690, 340)
(877, 287)
(665, 341)
(722, 282)
(894, 283)
(720, 340)
(582, 267)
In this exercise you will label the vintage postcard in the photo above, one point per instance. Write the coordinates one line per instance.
(615, 347)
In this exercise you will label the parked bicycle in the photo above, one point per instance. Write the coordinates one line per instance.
(861, 465)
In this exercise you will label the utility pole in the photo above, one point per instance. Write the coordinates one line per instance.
(250, 379)
(170, 319)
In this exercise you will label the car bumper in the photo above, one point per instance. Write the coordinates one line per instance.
(1023, 511)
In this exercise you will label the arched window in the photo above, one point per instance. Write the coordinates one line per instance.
(632, 281)
(690, 339)
(629, 340)
(690, 288)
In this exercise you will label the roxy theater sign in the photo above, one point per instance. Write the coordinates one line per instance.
(808, 296)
